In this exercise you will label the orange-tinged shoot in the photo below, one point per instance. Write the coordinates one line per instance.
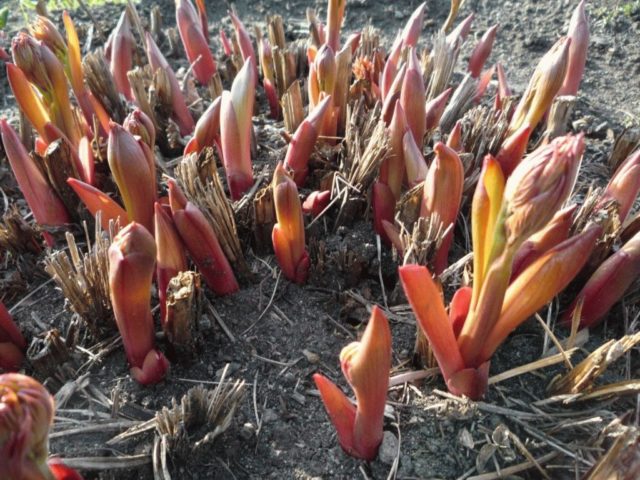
(46, 205)
(335, 16)
(427, 305)
(181, 113)
(132, 258)
(316, 202)
(454, 140)
(303, 142)
(44, 30)
(61, 472)
(236, 111)
(538, 284)
(244, 41)
(482, 51)
(86, 163)
(29, 101)
(503, 87)
(133, 175)
(207, 133)
(366, 365)
(415, 165)
(543, 86)
(201, 242)
(383, 203)
(393, 169)
(579, 35)
(608, 284)
(194, 41)
(326, 69)
(268, 76)
(138, 123)
(12, 343)
(288, 233)
(171, 258)
(390, 69)
(624, 186)
(26, 414)
(411, 31)
(556, 231)
(459, 308)
(442, 195)
(412, 98)
(96, 200)
(122, 55)
(435, 108)
(44, 70)
(513, 149)
(539, 186)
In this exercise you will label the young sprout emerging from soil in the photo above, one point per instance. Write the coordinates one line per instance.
(624, 186)
(288, 232)
(608, 284)
(12, 343)
(132, 258)
(194, 40)
(171, 259)
(366, 365)
(201, 242)
(579, 35)
(207, 133)
(121, 55)
(303, 142)
(236, 110)
(97, 201)
(504, 216)
(133, 168)
(442, 196)
(482, 51)
(46, 205)
(181, 113)
(26, 414)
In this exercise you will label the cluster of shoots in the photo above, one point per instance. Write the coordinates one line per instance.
(526, 246)
(26, 415)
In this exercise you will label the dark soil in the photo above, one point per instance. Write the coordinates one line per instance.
(283, 333)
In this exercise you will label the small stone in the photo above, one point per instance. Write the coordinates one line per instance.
(311, 356)
(247, 431)
(388, 448)
(298, 397)
(269, 416)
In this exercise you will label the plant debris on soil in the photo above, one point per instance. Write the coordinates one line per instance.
(242, 403)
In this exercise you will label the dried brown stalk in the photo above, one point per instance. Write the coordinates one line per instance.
(439, 67)
(625, 144)
(275, 28)
(102, 85)
(264, 218)
(58, 164)
(422, 242)
(49, 355)
(559, 115)
(83, 278)
(461, 101)
(18, 236)
(198, 177)
(581, 378)
(292, 107)
(184, 308)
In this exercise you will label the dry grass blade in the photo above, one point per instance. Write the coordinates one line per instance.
(108, 463)
(461, 101)
(581, 378)
(198, 177)
(440, 64)
(421, 244)
(201, 409)
(532, 367)
(83, 278)
(622, 459)
(366, 145)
